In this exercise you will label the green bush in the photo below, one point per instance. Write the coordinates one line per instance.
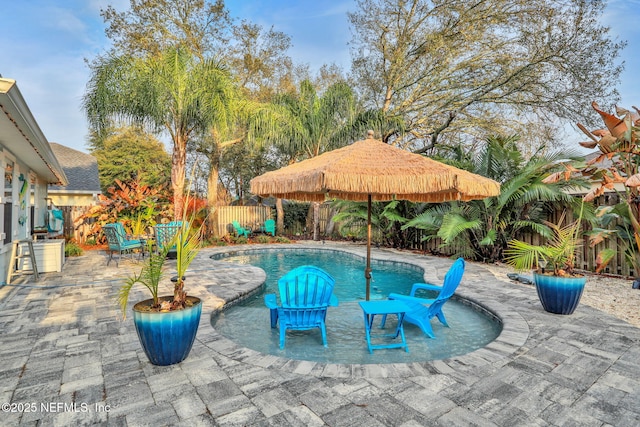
(241, 240)
(282, 239)
(295, 214)
(72, 249)
(215, 241)
(263, 239)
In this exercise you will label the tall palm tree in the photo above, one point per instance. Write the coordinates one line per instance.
(245, 122)
(174, 92)
(317, 122)
(313, 124)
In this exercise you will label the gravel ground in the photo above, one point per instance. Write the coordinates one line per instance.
(613, 295)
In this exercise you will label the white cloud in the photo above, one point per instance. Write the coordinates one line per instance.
(63, 20)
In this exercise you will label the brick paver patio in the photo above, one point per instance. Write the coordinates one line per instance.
(66, 358)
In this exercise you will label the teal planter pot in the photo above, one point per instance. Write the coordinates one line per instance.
(167, 337)
(559, 295)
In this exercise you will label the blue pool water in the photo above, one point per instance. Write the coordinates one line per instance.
(247, 323)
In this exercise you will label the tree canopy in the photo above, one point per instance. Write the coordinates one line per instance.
(175, 92)
(460, 70)
(151, 27)
(130, 154)
(435, 77)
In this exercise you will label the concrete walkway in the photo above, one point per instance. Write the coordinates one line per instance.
(67, 358)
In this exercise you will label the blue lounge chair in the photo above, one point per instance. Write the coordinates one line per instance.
(240, 230)
(422, 310)
(118, 242)
(270, 227)
(305, 294)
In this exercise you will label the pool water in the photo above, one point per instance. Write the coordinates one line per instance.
(247, 323)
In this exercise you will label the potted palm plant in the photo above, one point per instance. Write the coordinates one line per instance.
(558, 286)
(166, 325)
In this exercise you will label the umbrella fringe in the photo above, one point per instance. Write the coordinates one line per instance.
(372, 167)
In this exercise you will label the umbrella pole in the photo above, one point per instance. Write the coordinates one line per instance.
(367, 270)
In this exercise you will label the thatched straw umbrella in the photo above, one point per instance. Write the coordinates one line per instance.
(370, 170)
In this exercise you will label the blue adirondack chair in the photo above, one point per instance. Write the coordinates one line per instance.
(422, 310)
(240, 230)
(270, 227)
(165, 233)
(306, 293)
(118, 242)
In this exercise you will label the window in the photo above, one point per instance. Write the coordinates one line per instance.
(8, 181)
(7, 200)
(8, 218)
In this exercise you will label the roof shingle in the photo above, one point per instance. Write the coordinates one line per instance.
(80, 168)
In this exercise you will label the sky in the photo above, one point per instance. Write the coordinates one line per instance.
(45, 44)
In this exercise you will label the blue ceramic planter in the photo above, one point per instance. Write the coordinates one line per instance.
(559, 295)
(167, 337)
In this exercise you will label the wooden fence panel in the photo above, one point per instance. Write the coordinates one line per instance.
(248, 216)
(70, 229)
(585, 259)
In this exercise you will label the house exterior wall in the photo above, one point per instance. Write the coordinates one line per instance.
(16, 202)
(27, 166)
(70, 199)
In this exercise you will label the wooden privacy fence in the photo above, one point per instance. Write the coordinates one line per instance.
(586, 258)
(248, 216)
(70, 229)
(255, 216)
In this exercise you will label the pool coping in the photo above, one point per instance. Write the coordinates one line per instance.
(514, 334)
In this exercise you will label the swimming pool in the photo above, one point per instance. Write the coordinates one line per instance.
(247, 323)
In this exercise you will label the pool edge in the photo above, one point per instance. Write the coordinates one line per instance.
(515, 330)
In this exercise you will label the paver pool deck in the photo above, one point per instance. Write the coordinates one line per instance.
(67, 358)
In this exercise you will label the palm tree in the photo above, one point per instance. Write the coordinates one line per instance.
(386, 220)
(317, 122)
(481, 229)
(174, 92)
(244, 122)
(313, 124)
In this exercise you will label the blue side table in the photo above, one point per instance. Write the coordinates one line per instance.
(384, 307)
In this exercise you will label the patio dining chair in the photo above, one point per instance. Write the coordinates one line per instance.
(306, 293)
(422, 310)
(165, 235)
(118, 242)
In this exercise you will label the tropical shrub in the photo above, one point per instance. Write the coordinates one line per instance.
(295, 214)
(386, 221)
(557, 255)
(615, 169)
(614, 222)
(241, 240)
(480, 229)
(136, 205)
(215, 241)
